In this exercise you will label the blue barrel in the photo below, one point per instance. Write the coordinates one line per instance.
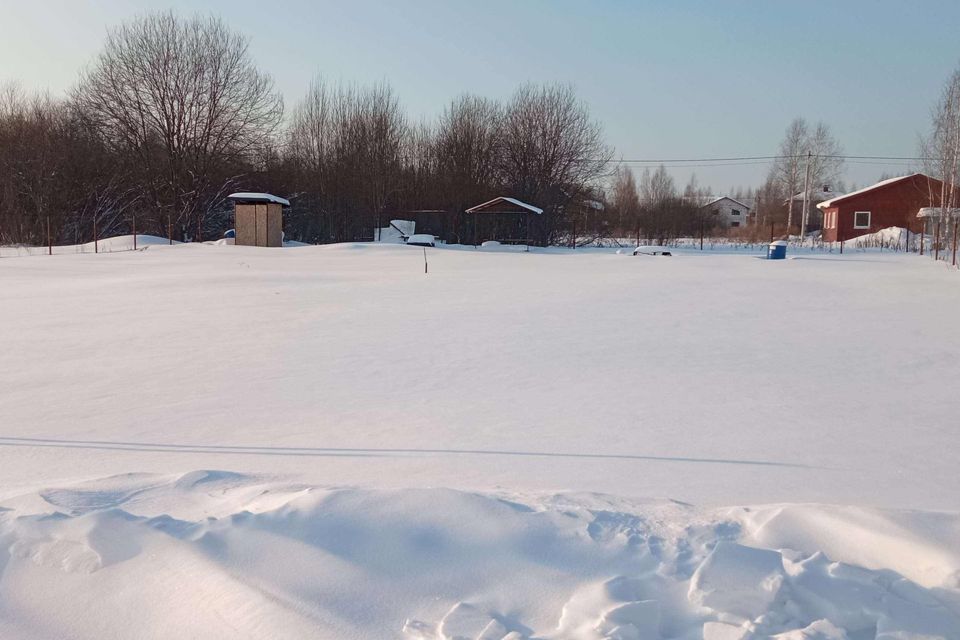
(777, 250)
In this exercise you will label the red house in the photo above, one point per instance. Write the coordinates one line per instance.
(889, 203)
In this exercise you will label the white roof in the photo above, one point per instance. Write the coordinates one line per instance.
(248, 196)
(882, 183)
(519, 203)
(716, 200)
(938, 212)
(818, 196)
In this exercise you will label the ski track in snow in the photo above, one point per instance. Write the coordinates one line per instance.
(443, 457)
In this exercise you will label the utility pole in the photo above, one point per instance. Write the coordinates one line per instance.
(806, 195)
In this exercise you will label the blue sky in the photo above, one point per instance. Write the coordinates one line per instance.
(667, 79)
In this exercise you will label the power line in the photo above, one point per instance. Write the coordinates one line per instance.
(762, 158)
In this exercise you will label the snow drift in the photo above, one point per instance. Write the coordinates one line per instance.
(217, 554)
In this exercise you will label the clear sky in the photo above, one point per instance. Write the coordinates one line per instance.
(667, 79)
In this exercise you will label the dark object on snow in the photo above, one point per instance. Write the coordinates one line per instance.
(230, 233)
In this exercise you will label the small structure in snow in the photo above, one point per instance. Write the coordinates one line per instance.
(422, 240)
(651, 251)
(509, 221)
(258, 219)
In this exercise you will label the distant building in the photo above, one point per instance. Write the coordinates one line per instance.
(814, 215)
(728, 212)
(889, 203)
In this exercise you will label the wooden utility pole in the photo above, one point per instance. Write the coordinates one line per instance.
(806, 196)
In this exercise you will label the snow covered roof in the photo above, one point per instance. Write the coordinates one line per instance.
(491, 203)
(938, 212)
(817, 196)
(882, 183)
(716, 200)
(246, 196)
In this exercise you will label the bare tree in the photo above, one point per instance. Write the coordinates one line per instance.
(467, 145)
(626, 200)
(808, 157)
(551, 151)
(941, 149)
(347, 144)
(658, 195)
(183, 101)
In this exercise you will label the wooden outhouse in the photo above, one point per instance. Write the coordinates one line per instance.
(258, 219)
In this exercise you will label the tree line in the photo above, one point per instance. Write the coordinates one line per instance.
(173, 115)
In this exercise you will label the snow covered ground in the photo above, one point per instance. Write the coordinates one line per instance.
(219, 441)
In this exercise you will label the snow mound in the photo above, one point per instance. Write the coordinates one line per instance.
(132, 555)
(738, 580)
(889, 237)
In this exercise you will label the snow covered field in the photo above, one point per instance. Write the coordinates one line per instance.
(220, 442)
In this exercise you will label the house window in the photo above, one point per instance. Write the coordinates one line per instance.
(716, 211)
(735, 212)
(735, 223)
(861, 219)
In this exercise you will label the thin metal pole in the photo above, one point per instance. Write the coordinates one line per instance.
(49, 239)
(923, 232)
(96, 248)
(134, 232)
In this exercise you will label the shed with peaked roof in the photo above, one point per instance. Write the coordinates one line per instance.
(503, 219)
(258, 219)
